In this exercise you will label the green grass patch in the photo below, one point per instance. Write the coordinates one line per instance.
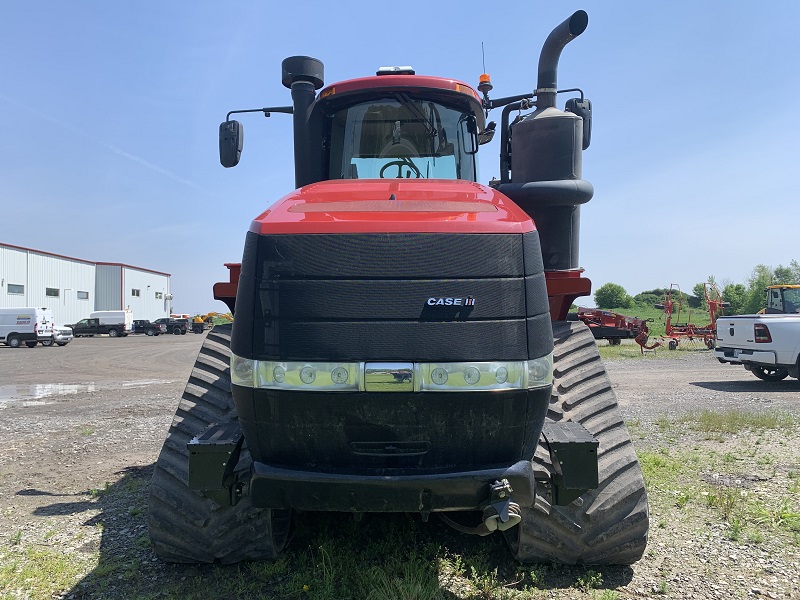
(735, 421)
(33, 572)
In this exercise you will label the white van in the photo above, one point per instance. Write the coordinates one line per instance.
(114, 317)
(26, 325)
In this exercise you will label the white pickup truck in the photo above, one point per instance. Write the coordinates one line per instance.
(767, 345)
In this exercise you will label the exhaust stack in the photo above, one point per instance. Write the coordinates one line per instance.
(547, 83)
(546, 158)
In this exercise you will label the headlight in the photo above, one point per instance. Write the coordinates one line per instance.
(393, 377)
(243, 371)
(540, 371)
(471, 376)
(310, 376)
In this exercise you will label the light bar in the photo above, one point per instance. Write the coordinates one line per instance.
(478, 376)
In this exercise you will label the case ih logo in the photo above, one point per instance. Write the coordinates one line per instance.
(468, 301)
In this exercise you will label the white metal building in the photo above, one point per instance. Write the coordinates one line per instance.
(73, 288)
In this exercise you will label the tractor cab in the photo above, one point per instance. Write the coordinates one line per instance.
(393, 125)
(401, 126)
(783, 299)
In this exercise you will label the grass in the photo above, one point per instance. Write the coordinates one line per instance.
(700, 484)
(400, 557)
(35, 572)
(734, 421)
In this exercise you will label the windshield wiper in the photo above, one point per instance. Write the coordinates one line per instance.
(409, 104)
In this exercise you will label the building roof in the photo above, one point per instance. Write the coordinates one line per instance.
(90, 262)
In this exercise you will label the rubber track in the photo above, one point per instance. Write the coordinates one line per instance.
(604, 526)
(184, 526)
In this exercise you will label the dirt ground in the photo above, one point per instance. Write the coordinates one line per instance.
(82, 417)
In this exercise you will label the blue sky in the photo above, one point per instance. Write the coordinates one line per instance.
(108, 141)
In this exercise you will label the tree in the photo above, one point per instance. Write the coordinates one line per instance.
(612, 295)
(787, 275)
(759, 278)
(736, 295)
(648, 298)
(698, 300)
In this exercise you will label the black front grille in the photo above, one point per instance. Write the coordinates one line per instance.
(355, 297)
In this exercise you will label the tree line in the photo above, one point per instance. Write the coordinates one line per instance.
(744, 298)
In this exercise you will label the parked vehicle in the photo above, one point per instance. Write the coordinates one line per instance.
(202, 322)
(782, 299)
(114, 317)
(61, 336)
(26, 325)
(146, 327)
(767, 345)
(92, 327)
(175, 326)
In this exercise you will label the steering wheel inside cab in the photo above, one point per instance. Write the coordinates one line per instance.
(402, 152)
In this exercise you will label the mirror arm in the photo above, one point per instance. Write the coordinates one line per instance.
(497, 103)
(572, 90)
(278, 109)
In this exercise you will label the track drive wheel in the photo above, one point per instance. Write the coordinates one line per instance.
(186, 527)
(604, 526)
(769, 373)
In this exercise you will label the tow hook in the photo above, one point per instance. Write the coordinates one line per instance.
(501, 513)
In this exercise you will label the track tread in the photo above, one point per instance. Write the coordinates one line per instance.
(184, 526)
(605, 526)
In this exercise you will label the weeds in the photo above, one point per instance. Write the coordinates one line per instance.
(589, 580)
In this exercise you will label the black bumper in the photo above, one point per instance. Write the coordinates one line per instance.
(273, 487)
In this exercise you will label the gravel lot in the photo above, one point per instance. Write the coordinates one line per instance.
(78, 419)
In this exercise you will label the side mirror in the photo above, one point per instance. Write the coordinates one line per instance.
(469, 135)
(231, 136)
(582, 108)
(488, 133)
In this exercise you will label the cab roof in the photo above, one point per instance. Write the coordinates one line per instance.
(437, 88)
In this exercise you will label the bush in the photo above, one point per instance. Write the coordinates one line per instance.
(612, 295)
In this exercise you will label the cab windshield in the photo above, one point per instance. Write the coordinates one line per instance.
(405, 138)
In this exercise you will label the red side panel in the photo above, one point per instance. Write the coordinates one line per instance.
(563, 287)
(226, 290)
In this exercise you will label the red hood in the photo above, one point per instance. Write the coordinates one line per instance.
(394, 206)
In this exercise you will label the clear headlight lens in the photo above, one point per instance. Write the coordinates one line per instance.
(243, 371)
(424, 377)
(471, 376)
(540, 371)
(310, 376)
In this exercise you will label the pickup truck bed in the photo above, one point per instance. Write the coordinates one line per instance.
(766, 345)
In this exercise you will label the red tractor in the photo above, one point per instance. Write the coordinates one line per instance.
(400, 342)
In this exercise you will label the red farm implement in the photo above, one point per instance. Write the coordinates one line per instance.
(676, 331)
(614, 327)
